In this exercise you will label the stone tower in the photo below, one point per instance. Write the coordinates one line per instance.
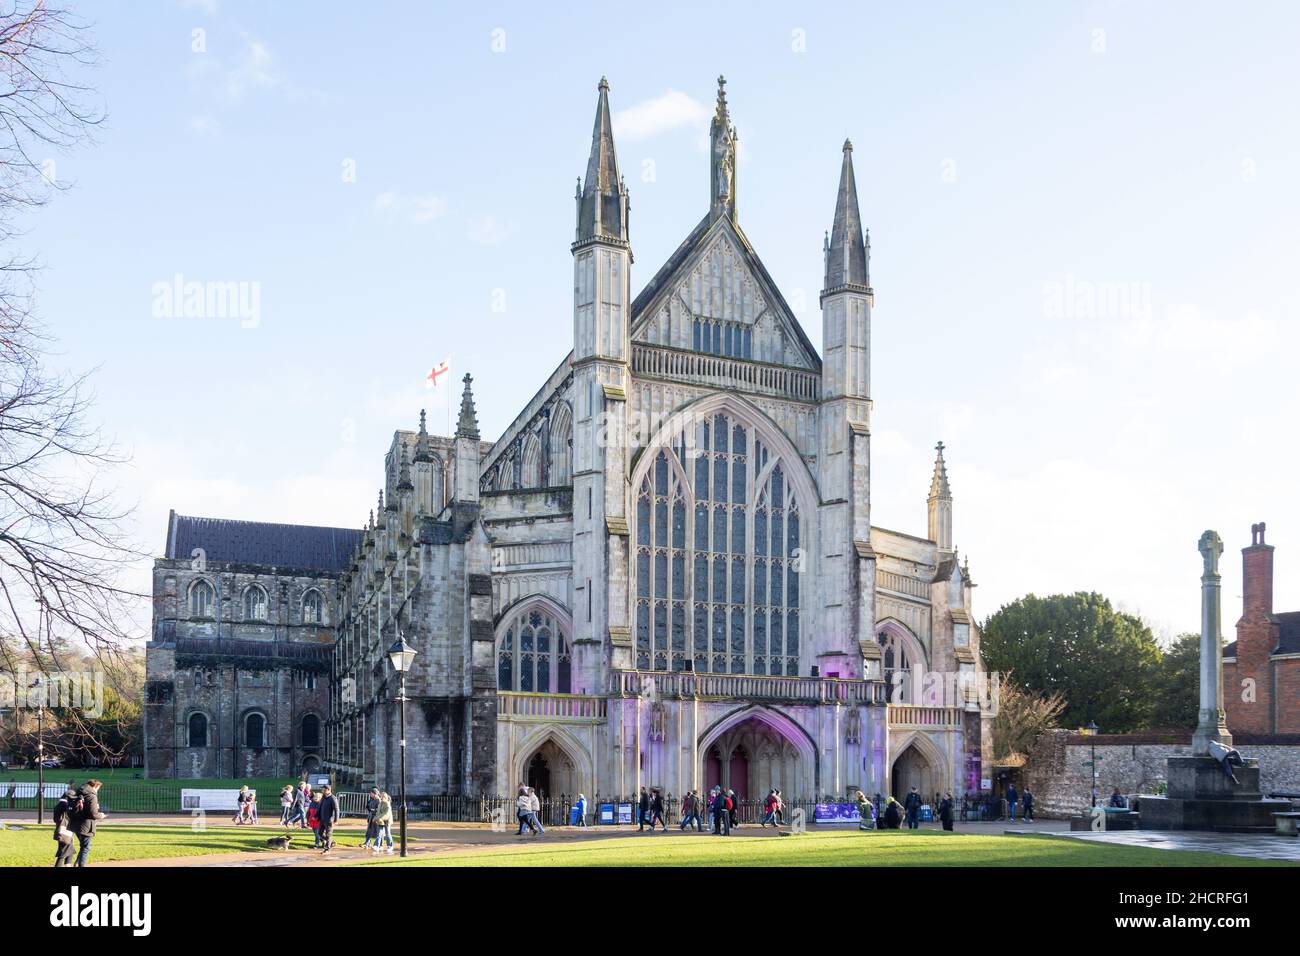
(602, 260)
(844, 452)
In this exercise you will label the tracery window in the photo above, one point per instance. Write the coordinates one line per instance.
(312, 607)
(255, 603)
(718, 534)
(201, 599)
(533, 654)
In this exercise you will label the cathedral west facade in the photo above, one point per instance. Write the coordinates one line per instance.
(664, 572)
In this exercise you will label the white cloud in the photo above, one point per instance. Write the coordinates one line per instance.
(673, 110)
(253, 72)
(490, 231)
(392, 206)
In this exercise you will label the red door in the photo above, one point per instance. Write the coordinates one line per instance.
(739, 773)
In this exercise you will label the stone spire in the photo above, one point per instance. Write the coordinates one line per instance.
(379, 512)
(467, 424)
(722, 143)
(422, 450)
(939, 483)
(602, 198)
(939, 504)
(846, 251)
(404, 467)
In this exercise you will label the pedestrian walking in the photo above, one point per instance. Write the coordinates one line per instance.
(733, 810)
(384, 823)
(945, 811)
(1027, 800)
(643, 810)
(769, 809)
(286, 804)
(329, 814)
(297, 808)
(581, 807)
(313, 819)
(912, 805)
(64, 838)
(657, 810)
(523, 810)
(1012, 799)
(535, 808)
(691, 808)
(372, 808)
(86, 816)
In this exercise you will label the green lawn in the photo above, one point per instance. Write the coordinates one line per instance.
(831, 848)
(34, 846)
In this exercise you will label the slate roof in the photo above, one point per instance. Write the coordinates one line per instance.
(262, 543)
(1288, 639)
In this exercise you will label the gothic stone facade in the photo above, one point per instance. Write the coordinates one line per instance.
(238, 668)
(664, 572)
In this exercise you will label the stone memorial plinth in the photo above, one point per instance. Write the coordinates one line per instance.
(1201, 797)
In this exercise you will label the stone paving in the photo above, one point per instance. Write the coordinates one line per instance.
(1260, 846)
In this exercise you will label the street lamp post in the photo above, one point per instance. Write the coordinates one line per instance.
(40, 751)
(1092, 729)
(401, 655)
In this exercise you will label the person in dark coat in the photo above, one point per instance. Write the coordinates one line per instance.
(64, 837)
(329, 814)
(372, 808)
(945, 811)
(1027, 801)
(912, 804)
(87, 818)
(657, 811)
(643, 810)
(893, 815)
(1012, 799)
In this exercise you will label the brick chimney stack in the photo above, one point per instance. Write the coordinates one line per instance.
(1257, 577)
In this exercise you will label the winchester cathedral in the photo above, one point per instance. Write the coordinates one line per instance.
(662, 573)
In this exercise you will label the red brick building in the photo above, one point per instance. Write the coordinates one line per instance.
(1261, 668)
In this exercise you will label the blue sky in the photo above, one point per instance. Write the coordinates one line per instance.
(1008, 160)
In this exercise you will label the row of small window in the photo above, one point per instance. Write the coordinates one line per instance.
(255, 731)
(723, 338)
(255, 603)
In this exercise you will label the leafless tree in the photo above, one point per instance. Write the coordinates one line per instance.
(1022, 716)
(62, 548)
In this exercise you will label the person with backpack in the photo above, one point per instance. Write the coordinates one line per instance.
(329, 814)
(86, 814)
(63, 822)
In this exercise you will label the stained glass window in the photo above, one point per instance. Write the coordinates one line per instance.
(533, 654)
(717, 531)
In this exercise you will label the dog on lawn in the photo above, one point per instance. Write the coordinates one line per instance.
(280, 842)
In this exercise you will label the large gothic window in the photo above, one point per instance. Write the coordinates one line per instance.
(201, 599)
(255, 603)
(533, 655)
(198, 730)
(896, 666)
(717, 542)
(312, 606)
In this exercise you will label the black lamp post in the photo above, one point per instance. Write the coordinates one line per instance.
(40, 750)
(1092, 729)
(401, 655)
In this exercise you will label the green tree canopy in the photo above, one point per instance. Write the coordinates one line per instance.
(1178, 685)
(1104, 663)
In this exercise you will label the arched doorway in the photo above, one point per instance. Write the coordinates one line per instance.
(757, 754)
(912, 769)
(551, 772)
